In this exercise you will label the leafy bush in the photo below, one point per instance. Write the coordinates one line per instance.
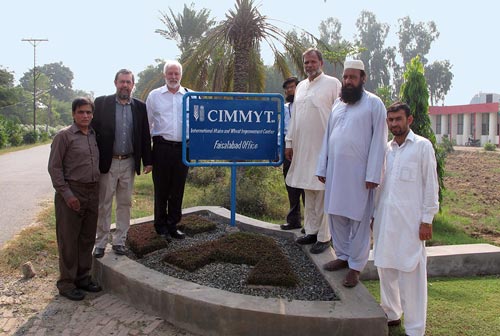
(30, 137)
(204, 176)
(3, 133)
(447, 144)
(259, 190)
(489, 146)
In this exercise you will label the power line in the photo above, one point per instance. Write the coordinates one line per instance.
(34, 43)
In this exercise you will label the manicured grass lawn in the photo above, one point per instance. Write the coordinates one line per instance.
(458, 306)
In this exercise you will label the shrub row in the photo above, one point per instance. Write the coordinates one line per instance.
(12, 134)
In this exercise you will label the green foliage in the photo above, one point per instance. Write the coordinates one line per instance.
(446, 144)
(439, 77)
(3, 133)
(15, 134)
(30, 137)
(376, 57)
(470, 306)
(385, 93)
(204, 176)
(149, 79)
(258, 189)
(490, 146)
(228, 57)
(414, 92)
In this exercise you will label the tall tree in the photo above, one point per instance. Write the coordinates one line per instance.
(186, 28)
(414, 92)
(149, 79)
(415, 39)
(378, 60)
(235, 44)
(439, 77)
(335, 49)
(60, 80)
(6, 78)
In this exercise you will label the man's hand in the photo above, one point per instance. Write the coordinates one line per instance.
(73, 203)
(425, 231)
(322, 179)
(371, 185)
(288, 154)
(147, 169)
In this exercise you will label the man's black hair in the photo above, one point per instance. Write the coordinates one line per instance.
(290, 80)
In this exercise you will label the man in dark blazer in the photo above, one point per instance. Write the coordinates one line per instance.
(123, 137)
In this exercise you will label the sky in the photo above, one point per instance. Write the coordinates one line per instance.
(97, 38)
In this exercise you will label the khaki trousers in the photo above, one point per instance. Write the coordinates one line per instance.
(315, 219)
(119, 182)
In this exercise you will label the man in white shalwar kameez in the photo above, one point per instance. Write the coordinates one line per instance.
(406, 205)
(314, 98)
(350, 164)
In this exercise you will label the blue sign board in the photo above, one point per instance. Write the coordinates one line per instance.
(246, 128)
(232, 129)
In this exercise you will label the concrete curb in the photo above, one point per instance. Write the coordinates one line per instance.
(209, 311)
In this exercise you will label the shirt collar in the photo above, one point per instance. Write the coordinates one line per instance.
(74, 129)
(164, 89)
(316, 78)
(409, 137)
(127, 103)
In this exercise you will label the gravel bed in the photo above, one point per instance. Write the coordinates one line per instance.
(231, 277)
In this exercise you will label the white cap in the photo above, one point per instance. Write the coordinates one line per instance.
(354, 64)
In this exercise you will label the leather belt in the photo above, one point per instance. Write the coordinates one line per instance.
(161, 140)
(122, 157)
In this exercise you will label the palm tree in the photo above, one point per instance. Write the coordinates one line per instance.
(186, 28)
(228, 57)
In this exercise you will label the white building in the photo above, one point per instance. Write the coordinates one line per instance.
(461, 123)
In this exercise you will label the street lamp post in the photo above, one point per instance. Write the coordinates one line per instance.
(34, 43)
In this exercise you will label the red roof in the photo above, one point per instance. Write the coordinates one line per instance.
(459, 109)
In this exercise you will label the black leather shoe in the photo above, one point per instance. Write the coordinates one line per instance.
(120, 249)
(394, 323)
(177, 234)
(98, 252)
(307, 239)
(303, 231)
(91, 287)
(289, 226)
(319, 247)
(73, 294)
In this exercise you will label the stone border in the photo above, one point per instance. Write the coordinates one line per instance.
(209, 311)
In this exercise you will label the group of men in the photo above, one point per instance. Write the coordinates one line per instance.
(336, 157)
(354, 181)
(95, 160)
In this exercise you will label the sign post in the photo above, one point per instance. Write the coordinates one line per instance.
(232, 129)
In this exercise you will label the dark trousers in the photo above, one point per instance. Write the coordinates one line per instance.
(169, 179)
(76, 235)
(294, 195)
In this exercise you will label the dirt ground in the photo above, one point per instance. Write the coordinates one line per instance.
(473, 178)
(33, 307)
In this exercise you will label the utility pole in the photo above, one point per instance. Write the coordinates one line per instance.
(34, 43)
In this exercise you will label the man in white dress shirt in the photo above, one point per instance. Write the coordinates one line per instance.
(350, 164)
(164, 106)
(314, 98)
(406, 205)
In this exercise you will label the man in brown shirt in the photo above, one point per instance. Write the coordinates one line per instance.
(74, 170)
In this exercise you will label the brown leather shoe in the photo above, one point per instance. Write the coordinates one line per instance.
(335, 265)
(351, 279)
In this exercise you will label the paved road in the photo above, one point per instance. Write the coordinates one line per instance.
(25, 187)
